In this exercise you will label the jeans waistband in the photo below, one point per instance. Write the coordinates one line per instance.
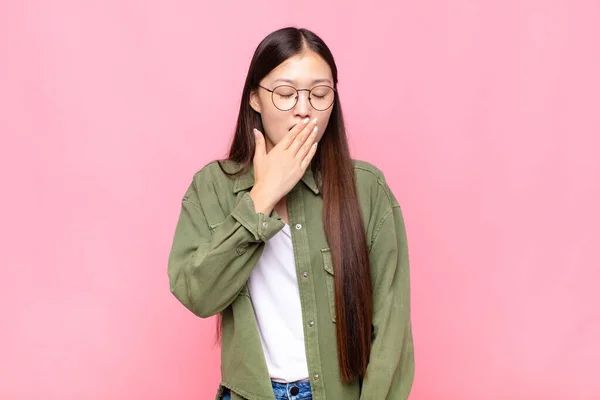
(298, 390)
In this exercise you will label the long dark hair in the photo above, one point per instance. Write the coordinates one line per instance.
(332, 162)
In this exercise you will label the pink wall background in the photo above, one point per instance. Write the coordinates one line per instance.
(484, 117)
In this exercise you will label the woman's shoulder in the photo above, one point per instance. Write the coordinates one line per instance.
(367, 172)
(215, 178)
(371, 179)
(217, 170)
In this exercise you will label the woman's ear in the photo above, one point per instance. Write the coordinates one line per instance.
(255, 101)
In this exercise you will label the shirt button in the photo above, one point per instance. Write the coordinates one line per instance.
(311, 323)
(305, 274)
(241, 249)
(316, 376)
(298, 226)
(265, 224)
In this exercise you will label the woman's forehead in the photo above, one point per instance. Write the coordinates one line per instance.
(308, 69)
(308, 81)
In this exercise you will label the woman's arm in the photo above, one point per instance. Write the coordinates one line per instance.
(390, 372)
(209, 267)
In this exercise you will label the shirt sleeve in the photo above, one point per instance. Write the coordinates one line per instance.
(208, 265)
(390, 372)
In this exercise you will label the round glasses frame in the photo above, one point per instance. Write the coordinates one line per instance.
(298, 96)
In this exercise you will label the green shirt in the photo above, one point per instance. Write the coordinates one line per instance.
(219, 239)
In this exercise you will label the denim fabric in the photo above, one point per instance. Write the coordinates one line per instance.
(226, 395)
(283, 391)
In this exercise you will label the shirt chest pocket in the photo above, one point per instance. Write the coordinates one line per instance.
(329, 280)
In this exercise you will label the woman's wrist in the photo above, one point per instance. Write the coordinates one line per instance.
(262, 202)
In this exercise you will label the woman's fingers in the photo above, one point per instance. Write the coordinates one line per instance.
(278, 171)
(311, 153)
(306, 146)
(302, 136)
(292, 134)
(260, 150)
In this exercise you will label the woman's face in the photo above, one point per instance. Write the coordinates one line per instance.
(303, 71)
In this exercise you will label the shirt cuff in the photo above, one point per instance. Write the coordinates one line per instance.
(263, 227)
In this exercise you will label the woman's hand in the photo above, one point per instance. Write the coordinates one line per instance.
(277, 172)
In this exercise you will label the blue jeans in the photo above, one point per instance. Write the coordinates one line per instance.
(299, 390)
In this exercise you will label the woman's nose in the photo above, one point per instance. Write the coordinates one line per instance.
(303, 105)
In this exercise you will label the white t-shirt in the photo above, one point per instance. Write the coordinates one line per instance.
(273, 287)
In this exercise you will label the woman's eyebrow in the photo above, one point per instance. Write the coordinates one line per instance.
(294, 82)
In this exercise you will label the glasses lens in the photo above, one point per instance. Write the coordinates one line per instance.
(285, 97)
(321, 97)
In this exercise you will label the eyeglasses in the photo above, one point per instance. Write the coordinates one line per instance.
(285, 97)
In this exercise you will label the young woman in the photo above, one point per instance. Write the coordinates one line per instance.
(298, 248)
